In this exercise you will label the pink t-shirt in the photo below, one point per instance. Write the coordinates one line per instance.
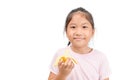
(91, 66)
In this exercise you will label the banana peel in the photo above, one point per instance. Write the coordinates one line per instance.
(64, 58)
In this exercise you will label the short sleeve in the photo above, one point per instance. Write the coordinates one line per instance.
(52, 67)
(104, 68)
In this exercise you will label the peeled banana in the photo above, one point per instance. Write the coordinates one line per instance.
(64, 57)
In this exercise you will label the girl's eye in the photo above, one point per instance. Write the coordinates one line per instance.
(85, 27)
(72, 27)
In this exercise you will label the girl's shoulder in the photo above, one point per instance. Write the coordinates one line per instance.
(99, 53)
(61, 51)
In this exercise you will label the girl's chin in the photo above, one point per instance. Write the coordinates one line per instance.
(78, 45)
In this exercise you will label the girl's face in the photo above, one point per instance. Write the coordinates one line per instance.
(79, 30)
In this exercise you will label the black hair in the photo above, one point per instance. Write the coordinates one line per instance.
(87, 14)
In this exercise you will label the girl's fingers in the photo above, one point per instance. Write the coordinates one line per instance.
(60, 62)
(68, 64)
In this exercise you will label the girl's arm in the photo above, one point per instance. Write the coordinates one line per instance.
(53, 76)
(106, 79)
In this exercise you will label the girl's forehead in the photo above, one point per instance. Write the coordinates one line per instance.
(79, 17)
(82, 14)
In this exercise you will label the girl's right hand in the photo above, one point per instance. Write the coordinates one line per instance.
(65, 67)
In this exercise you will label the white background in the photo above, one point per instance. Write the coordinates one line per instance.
(31, 31)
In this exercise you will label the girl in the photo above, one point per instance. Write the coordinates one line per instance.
(78, 61)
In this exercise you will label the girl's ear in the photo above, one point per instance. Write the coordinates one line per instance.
(93, 32)
(66, 34)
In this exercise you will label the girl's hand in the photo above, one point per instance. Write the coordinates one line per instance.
(65, 67)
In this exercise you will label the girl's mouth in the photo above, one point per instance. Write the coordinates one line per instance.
(77, 38)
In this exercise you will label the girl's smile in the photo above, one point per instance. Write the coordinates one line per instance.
(78, 38)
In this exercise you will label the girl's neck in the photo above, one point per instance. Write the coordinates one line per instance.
(81, 50)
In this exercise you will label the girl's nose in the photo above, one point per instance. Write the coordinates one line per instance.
(79, 32)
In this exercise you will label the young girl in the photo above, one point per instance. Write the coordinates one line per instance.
(78, 61)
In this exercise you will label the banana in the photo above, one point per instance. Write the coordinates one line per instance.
(64, 57)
